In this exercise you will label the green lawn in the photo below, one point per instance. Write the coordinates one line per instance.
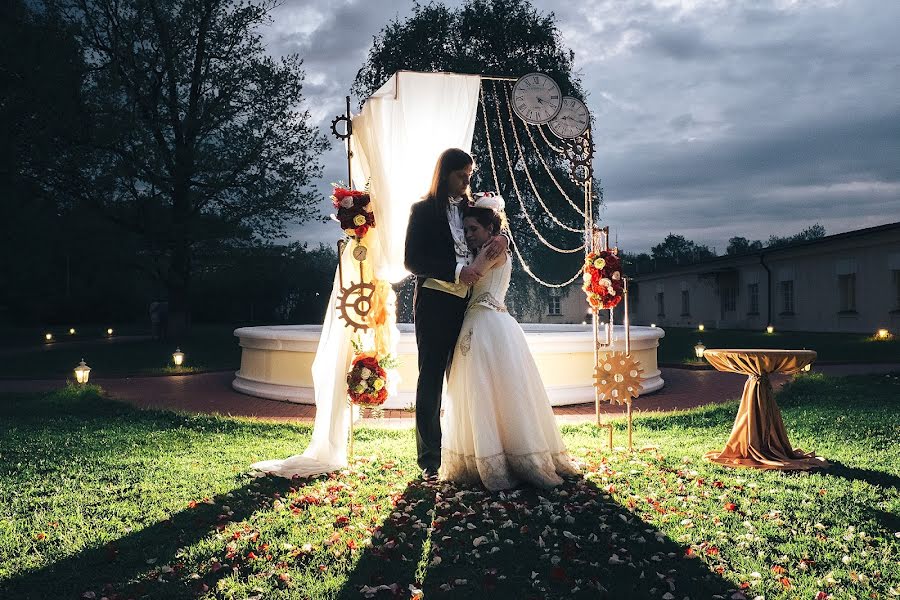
(207, 347)
(100, 500)
(678, 344)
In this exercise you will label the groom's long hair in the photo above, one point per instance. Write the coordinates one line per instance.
(451, 159)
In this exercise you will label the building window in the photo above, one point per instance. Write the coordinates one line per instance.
(753, 299)
(553, 306)
(685, 303)
(660, 304)
(847, 291)
(787, 297)
(729, 299)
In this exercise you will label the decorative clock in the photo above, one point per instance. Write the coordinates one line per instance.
(536, 98)
(572, 120)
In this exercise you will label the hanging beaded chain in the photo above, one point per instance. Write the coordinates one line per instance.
(512, 239)
(537, 194)
(547, 168)
(515, 185)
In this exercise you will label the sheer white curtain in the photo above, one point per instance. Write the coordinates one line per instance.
(397, 138)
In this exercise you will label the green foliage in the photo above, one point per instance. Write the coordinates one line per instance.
(99, 497)
(813, 232)
(193, 137)
(677, 250)
(508, 38)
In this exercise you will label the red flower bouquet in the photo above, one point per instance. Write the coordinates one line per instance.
(354, 211)
(603, 283)
(367, 381)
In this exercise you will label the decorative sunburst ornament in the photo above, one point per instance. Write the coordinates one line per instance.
(617, 378)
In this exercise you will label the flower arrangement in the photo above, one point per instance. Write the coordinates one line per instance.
(367, 381)
(603, 279)
(354, 211)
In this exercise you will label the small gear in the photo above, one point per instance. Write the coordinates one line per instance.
(348, 127)
(354, 304)
(617, 377)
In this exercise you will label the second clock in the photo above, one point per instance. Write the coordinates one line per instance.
(572, 120)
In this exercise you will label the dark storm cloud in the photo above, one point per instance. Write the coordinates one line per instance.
(712, 118)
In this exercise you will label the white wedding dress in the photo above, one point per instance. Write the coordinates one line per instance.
(498, 427)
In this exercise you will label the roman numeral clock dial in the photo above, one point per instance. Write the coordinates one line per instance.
(572, 120)
(536, 98)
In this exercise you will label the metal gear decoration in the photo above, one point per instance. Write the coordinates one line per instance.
(617, 377)
(348, 128)
(580, 154)
(354, 304)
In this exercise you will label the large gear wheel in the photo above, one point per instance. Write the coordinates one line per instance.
(617, 377)
(354, 304)
(348, 127)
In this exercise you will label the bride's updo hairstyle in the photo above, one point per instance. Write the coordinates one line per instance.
(486, 217)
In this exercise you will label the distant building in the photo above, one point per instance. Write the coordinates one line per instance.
(846, 282)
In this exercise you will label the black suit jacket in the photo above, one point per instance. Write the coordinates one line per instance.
(429, 250)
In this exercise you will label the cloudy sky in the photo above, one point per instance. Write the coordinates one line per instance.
(712, 118)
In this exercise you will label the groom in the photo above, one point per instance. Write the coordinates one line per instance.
(437, 254)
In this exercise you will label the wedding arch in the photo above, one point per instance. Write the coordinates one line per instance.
(392, 145)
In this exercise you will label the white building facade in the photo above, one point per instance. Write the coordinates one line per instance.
(848, 282)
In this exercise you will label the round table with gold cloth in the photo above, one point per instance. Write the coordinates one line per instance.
(758, 438)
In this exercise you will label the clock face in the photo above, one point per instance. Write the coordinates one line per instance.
(573, 118)
(536, 98)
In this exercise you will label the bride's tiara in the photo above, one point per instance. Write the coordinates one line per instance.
(491, 200)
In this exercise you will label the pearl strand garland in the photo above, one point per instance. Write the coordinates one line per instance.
(534, 189)
(512, 239)
(515, 185)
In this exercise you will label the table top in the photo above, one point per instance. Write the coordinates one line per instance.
(759, 361)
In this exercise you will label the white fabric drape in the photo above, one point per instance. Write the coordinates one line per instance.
(397, 138)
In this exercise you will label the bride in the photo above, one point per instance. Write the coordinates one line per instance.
(498, 427)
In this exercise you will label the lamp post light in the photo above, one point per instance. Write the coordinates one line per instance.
(82, 372)
(883, 334)
(48, 336)
(71, 331)
(699, 349)
(770, 329)
(653, 325)
(701, 327)
(109, 331)
(178, 357)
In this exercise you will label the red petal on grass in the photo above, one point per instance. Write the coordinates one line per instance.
(730, 506)
(786, 582)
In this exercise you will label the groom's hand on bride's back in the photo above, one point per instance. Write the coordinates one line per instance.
(469, 275)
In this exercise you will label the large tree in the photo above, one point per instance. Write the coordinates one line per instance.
(506, 38)
(197, 135)
(678, 250)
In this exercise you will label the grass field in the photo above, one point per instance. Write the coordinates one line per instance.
(100, 500)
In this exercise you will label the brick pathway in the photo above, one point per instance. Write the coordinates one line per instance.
(212, 393)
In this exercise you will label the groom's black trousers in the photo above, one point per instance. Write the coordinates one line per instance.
(438, 317)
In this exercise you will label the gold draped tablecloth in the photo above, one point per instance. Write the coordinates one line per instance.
(758, 438)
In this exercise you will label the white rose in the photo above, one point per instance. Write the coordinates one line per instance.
(365, 373)
(616, 276)
(347, 201)
(606, 282)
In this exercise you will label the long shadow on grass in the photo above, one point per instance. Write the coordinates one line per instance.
(573, 542)
(120, 569)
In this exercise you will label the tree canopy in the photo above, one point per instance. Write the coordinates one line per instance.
(196, 136)
(507, 38)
